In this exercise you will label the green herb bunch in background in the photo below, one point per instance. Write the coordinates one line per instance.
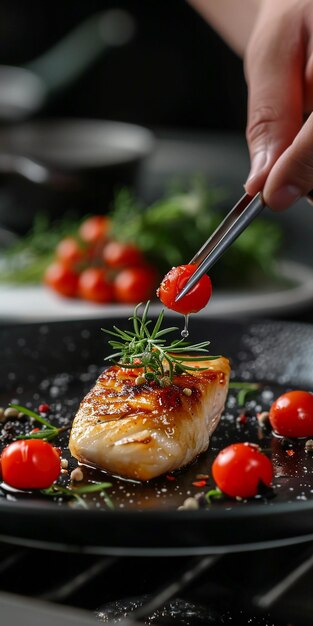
(168, 231)
(172, 229)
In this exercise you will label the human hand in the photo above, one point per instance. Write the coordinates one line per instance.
(279, 73)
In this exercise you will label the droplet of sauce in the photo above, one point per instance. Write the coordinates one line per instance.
(185, 332)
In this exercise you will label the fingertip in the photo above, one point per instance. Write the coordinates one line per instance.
(258, 172)
(282, 198)
(253, 185)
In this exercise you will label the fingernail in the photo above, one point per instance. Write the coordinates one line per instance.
(284, 197)
(257, 165)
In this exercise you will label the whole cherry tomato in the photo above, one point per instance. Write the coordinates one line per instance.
(69, 252)
(117, 254)
(30, 464)
(135, 284)
(94, 285)
(61, 279)
(291, 415)
(94, 229)
(239, 468)
(175, 280)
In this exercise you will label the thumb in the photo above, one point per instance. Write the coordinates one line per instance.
(274, 76)
(292, 175)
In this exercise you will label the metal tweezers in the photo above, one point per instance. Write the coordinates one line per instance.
(230, 228)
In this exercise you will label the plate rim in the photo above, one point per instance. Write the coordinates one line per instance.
(223, 303)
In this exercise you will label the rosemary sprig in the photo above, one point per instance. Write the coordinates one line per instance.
(57, 490)
(146, 347)
(49, 431)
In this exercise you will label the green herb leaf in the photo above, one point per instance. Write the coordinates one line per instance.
(49, 431)
(30, 413)
(213, 494)
(91, 488)
(244, 389)
(57, 490)
(26, 260)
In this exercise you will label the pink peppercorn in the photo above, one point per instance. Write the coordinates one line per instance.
(43, 408)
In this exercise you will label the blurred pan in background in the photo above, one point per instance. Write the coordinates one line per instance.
(70, 165)
(64, 165)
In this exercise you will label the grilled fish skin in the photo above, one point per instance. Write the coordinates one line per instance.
(143, 431)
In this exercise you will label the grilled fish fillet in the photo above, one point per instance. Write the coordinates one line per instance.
(143, 431)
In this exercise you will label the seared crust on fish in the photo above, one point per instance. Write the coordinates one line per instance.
(143, 431)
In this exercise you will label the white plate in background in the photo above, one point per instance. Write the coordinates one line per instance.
(37, 303)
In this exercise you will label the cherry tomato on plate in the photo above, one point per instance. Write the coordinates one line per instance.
(117, 254)
(69, 252)
(291, 415)
(61, 279)
(94, 285)
(134, 284)
(94, 229)
(30, 464)
(175, 280)
(239, 468)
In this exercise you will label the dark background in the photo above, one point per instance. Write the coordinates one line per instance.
(175, 73)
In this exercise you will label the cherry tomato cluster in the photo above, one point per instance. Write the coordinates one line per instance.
(94, 267)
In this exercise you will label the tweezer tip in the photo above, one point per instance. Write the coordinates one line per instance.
(180, 295)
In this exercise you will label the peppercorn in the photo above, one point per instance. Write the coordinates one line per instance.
(43, 408)
(308, 446)
(77, 474)
(10, 412)
(140, 380)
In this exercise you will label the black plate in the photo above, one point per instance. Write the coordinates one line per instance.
(59, 361)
